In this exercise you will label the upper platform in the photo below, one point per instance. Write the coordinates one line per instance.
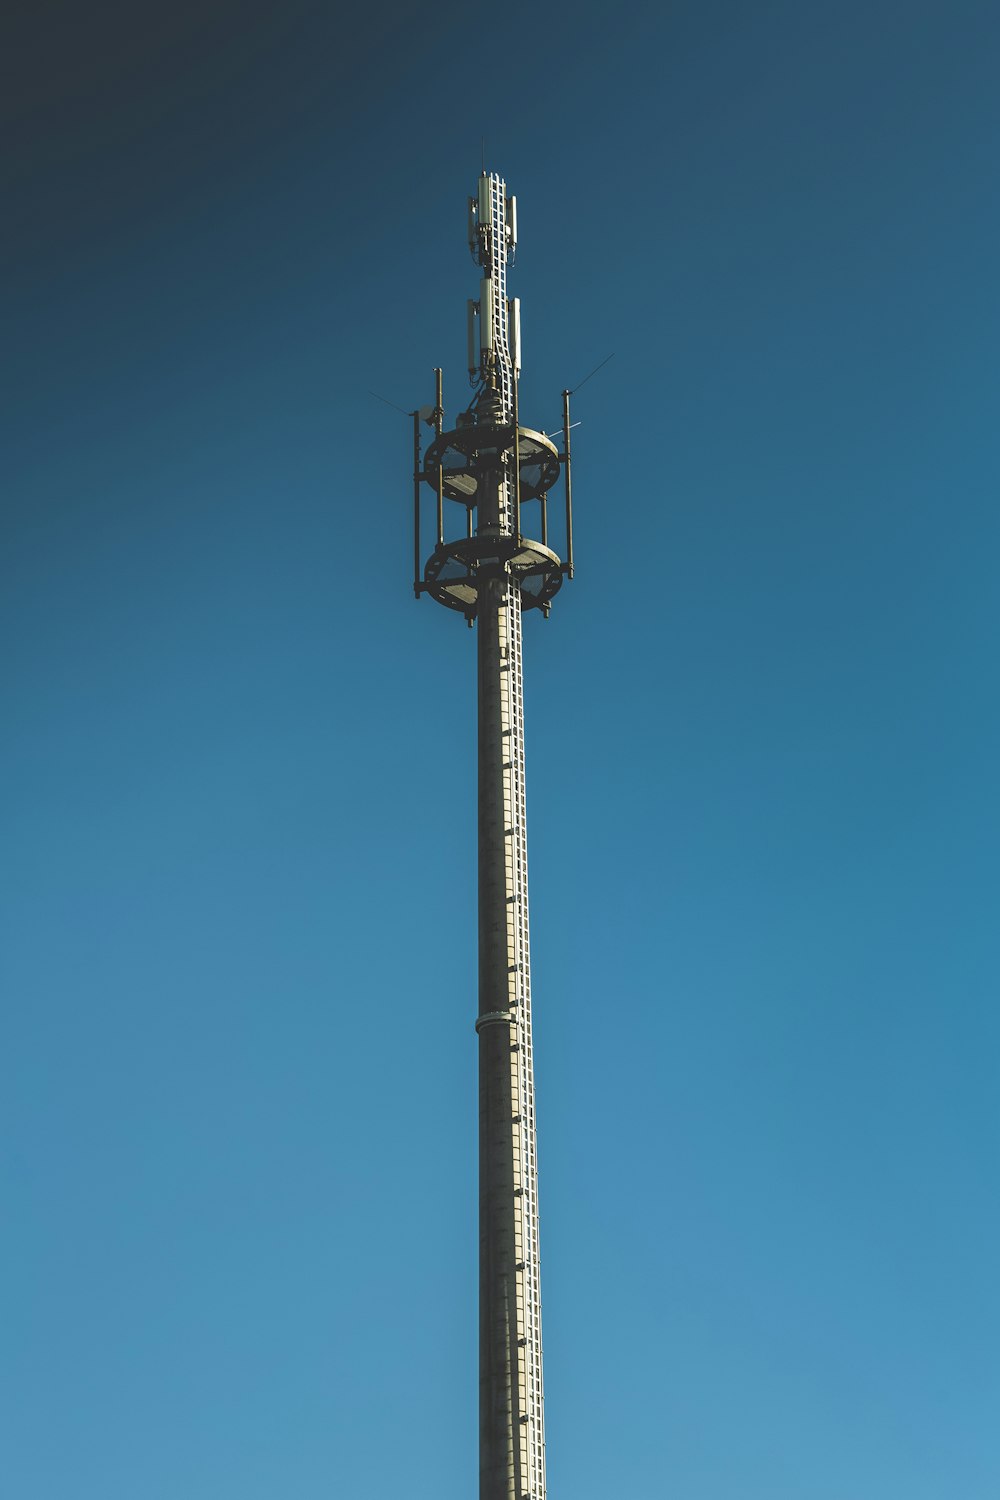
(467, 454)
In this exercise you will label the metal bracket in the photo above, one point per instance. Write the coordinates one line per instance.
(493, 1018)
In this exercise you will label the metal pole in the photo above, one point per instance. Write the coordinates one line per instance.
(438, 426)
(516, 528)
(511, 1400)
(569, 487)
(416, 504)
(499, 1355)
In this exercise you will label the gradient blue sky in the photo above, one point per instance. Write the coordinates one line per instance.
(238, 1102)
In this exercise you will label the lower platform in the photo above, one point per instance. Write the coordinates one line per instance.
(455, 569)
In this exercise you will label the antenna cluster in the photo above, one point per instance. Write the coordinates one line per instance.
(489, 465)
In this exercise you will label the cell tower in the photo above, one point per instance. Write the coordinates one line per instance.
(491, 468)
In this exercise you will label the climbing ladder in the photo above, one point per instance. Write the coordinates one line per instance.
(529, 1392)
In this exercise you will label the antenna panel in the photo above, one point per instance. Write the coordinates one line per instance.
(514, 332)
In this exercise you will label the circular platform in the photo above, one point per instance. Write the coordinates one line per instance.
(455, 571)
(468, 452)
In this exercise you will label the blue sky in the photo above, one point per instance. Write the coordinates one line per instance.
(238, 959)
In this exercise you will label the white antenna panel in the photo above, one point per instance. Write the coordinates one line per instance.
(514, 330)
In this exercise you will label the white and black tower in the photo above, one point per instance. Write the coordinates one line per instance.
(493, 473)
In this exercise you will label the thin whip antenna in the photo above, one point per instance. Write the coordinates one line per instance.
(593, 372)
(389, 403)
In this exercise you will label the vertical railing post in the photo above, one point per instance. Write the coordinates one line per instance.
(569, 487)
(516, 528)
(416, 504)
(438, 428)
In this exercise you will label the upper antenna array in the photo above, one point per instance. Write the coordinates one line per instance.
(489, 464)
